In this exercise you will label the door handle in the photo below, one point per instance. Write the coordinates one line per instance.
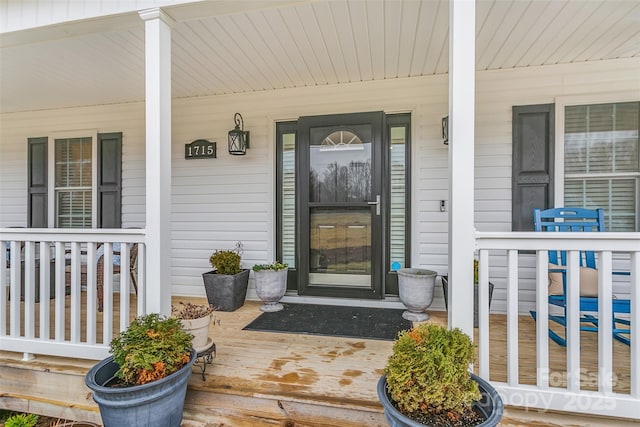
(377, 203)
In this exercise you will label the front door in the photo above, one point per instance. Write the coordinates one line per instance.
(339, 205)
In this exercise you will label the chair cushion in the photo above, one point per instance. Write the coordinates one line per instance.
(588, 281)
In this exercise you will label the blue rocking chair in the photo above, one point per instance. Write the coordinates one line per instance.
(579, 220)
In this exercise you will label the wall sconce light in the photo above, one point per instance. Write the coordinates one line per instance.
(238, 138)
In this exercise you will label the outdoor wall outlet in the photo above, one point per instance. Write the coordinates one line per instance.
(443, 206)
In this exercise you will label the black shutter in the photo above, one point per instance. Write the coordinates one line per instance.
(109, 180)
(532, 170)
(37, 183)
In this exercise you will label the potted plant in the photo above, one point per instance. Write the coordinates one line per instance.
(144, 381)
(445, 289)
(195, 319)
(271, 284)
(226, 285)
(33, 420)
(426, 381)
(415, 286)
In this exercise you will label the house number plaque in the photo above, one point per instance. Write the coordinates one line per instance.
(200, 149)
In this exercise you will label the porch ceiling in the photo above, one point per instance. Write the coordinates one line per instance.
(295, 44)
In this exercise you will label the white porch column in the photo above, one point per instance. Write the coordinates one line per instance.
(158, 159)
(462, 41)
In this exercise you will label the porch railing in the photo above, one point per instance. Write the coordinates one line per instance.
(504, 252)
(59, 316)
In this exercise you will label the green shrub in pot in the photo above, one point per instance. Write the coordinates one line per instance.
(427, 382)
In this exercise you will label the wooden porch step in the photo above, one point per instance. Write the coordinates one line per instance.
(223, 409)
(55, 387)
(260, 378)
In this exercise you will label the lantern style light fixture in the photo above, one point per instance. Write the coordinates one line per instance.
(238, 138)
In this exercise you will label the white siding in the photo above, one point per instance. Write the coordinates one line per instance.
(16, 128)
(217, 202)
(496, 93)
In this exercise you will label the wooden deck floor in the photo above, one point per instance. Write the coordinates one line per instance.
(261, 378)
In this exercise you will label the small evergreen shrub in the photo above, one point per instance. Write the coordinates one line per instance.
(227, 262)
(151, 348)
(428, 370)
(21, 420)
(276, 266)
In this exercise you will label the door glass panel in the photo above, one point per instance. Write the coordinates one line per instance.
(397, 224)
(339, 167)
(340, 246)
(288, 231)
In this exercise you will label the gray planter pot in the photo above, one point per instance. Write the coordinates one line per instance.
(226, 292)
(155, 404)
(445, 289)
(271, 286)
(416, 287)
(490, 405)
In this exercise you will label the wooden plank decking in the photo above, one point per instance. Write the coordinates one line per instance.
(260, 378)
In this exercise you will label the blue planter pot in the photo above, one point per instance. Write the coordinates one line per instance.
(155, 404)
(490, 406)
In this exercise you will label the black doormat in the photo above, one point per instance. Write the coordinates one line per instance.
(333, 320)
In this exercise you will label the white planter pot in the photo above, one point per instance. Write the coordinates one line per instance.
(199, 328)
(271, 286)
(416, 287)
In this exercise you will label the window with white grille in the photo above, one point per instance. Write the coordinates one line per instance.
(73, 187)
(602, 161)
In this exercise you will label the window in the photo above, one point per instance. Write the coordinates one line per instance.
(287, 190)
(398, 184)
(73, 183)
(73, 186)
(398, 132)
(602, 161)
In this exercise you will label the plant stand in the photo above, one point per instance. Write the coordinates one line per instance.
(205, 357)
